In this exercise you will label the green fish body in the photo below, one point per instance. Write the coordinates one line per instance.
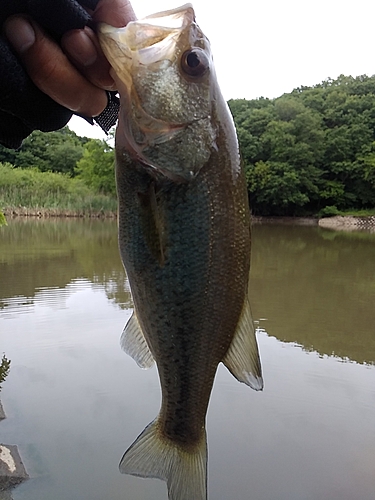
(184, 235)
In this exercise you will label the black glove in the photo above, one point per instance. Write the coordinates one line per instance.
(23, 107)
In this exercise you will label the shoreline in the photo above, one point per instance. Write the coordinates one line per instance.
(288, 221)
(348, 223)
(41, 213)
(337, 222)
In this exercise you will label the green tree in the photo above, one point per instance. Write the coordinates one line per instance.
(96, 167)
(310, 149)
(57, 151)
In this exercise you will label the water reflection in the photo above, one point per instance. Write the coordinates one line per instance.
(316, 288)
(41, 255)
(75, 401)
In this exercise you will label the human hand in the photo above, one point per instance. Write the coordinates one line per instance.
(71, 70)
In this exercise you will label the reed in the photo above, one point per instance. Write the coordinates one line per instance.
(31, 192)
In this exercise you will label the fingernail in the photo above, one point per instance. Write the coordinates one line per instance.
(20, 33)
(80, 47)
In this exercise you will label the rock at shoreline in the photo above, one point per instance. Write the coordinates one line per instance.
(6, 495)
(348, 223)
(12, 470)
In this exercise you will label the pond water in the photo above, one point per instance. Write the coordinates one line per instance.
(74, 401)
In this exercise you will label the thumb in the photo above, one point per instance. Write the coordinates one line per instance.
(50, 69)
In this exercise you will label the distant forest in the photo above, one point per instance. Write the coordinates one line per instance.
(309, 152)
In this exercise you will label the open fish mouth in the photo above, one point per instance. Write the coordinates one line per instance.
(153, 39)
(150, 42)
(160, 64)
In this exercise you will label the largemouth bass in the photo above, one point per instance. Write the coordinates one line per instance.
(184, 236)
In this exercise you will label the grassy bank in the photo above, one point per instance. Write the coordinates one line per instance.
(30, 192)
(357, 213)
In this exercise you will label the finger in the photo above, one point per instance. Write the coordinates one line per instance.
(82, 48)
(117, 13)
(50, 69)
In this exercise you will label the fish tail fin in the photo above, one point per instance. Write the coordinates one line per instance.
(184, 470)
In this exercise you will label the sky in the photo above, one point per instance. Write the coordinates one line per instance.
(269, 47)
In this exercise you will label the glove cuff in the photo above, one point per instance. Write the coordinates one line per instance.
(108, 117)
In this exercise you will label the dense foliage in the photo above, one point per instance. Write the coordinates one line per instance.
(311, 151)
(58, 170)
(65, 152)
(47, 151)
(308, 152)
(96, 166)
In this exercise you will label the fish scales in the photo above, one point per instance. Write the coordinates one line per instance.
(203, 282)
(184, 236)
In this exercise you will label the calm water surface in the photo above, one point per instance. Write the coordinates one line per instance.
(75, 401)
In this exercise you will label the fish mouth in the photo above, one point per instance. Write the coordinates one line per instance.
(152, 46)
(144, 42)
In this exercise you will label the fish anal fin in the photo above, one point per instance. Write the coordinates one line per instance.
(242, 358)
(154, 456)
(133, 342)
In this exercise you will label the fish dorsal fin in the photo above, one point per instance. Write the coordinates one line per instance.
(133, 342)
(242, 358)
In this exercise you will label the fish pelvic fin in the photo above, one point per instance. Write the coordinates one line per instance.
(133, 342)
(185, 470)
(242, 358)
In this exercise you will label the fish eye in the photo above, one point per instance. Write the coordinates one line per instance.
(194, 62)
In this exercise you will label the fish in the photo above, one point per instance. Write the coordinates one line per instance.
(184, 237)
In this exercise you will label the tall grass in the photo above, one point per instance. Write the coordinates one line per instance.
(31, 189)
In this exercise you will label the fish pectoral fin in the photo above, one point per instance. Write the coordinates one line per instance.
(154, 455)
(133, 342)
(242, 358)
(159, 225)
(153, 224)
